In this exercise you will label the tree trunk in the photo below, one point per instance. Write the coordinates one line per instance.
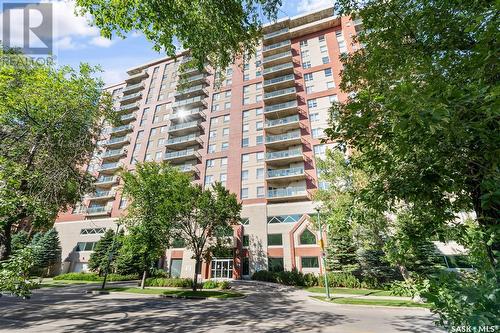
(5, 240)
(143, 281)
(195, 277)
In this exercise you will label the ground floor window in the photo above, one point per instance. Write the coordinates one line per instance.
(246, 266)
(175, 267)
(275, 264)
(310, 262)
(221, 268)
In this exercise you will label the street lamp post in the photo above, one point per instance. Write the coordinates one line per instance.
(110, 256)
(323, 255)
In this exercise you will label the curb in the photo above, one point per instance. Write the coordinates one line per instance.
(369, 306)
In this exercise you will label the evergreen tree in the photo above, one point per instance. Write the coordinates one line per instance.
(20, 240)
(341, 250)
(46, 250)
(99, 258)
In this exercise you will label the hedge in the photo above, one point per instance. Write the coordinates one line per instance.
(94, 277)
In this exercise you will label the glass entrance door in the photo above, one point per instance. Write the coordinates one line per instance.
(222, 268)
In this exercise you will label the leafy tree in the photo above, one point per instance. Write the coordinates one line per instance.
(158, 194)
(206, 222)
(50, 120)
(46, 251)
(15, 272)
(104, 248)
(214, 31)
(130, 259)
(424, 113)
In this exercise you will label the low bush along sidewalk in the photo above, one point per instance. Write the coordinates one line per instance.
(92, 277)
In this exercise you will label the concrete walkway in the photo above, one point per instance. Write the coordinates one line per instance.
(268, 308)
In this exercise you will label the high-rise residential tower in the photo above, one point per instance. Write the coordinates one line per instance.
(258, 133)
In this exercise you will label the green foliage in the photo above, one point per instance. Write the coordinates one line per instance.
(310, 280)
(46, 251)
(339, 279)
(289, 278)
(50, 121)
(264, 275)
(374, 268)
(423, 109)
(169, 282)
(20, 240)
(95, 277)
(104, 250)
(210, 284)
(14, 273)
(224, 285)
(215, 31)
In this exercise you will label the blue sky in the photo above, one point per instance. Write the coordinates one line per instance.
(76, 41)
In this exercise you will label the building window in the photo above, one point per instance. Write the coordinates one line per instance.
(226, 118)
(210, 163)
(258, 98)
(260, 173)
(259, 125)
(246, 114)
(323, 49)
(245, 128)
(85, 246)
(325, 60)
(312, 103)
(308, 77)
(223, 161)
(246, 240)
(209, 179)
(227, 93)
(258, 111)
(309, 262)
(215, 107)
(309, 89)
(303, 43)
(244, 193)
(212, 134)
(158, 155)
(319, 149)
(306, 64)
(225, 131)
(246, 77)
(284, 218)
(275, 264)
(175, 268)
(261, 193)
(245, 158)
(328, 72)
(307, 238)
(246, 266)
(274, 239)
(333, 99)
(211, 149)
(259, 140)
(216, 97)
(223, 177)
(314, 117)
(321, 38)
(246, 100)
(225, 146)
(260, 156)
(92, 231)
(244, 174)
(227, 105)
(330, 85)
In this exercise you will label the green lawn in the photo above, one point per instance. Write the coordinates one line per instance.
(64, 283)
(178, 292)
(351, 291)
(375, 302)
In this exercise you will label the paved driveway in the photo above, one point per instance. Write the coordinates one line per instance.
(267, 308)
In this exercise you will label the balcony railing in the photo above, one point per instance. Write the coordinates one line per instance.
(187, 113)
(283, 137)
(98, 210)
(131, 96)
(281, 106)
(117, 140)
(279, 79)
(187, 168)
(181, 153)
(122, 128)
(181, 126)
(133, 87)
(138, 75)
(282, 121)
(114, 152)
(276, 45)
(105, 180)
(277, 173)
(284, 154)
(127, 117)
(287, 192)
(182, 139)
(199, 87)
(195, 78)
(285, 54)
(189, 101)
(110, 166)
(281, 92)
(278, 68)
(102, 194)
(129, 107)
(276, 33)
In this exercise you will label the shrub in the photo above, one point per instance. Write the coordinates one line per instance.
(119, 277)
(264, 276)
(291, 278)
(78, 276)
(340, 279)
(224, 285)
(310, 280)
(172, 282)
(210, 284)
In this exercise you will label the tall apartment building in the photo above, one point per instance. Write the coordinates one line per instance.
(259, 134)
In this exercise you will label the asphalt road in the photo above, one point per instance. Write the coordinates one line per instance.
(266, 309)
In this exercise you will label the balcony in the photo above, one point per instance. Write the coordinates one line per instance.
(122, 129)
(280, 125)
(279, 82)
(276, 48)
(276, 36)
(128, 107)
(190, 102)
(284, 140)
(102, 195)
(284, 157)
(278, 70)
(117, 142)
(286, 175)
(182, 115)
(200, 78)
(139, 76)
(280, 96)
(187, 168)
(192, 71)
(106, 181)
(128, 118)
(183, 128)
(109, 168)
(184, 141)
(277, 59)
(181, 155)
(133, 88)
(282, 109)
(130, 98)
(287, 194)
(192, 91)
(98, 211)
(114, 154)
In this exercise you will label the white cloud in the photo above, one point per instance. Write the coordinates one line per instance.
(312, 5)
(65, 43)
(101, 41)
(113, 76)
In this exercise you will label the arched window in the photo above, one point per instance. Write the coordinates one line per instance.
(307, 238)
